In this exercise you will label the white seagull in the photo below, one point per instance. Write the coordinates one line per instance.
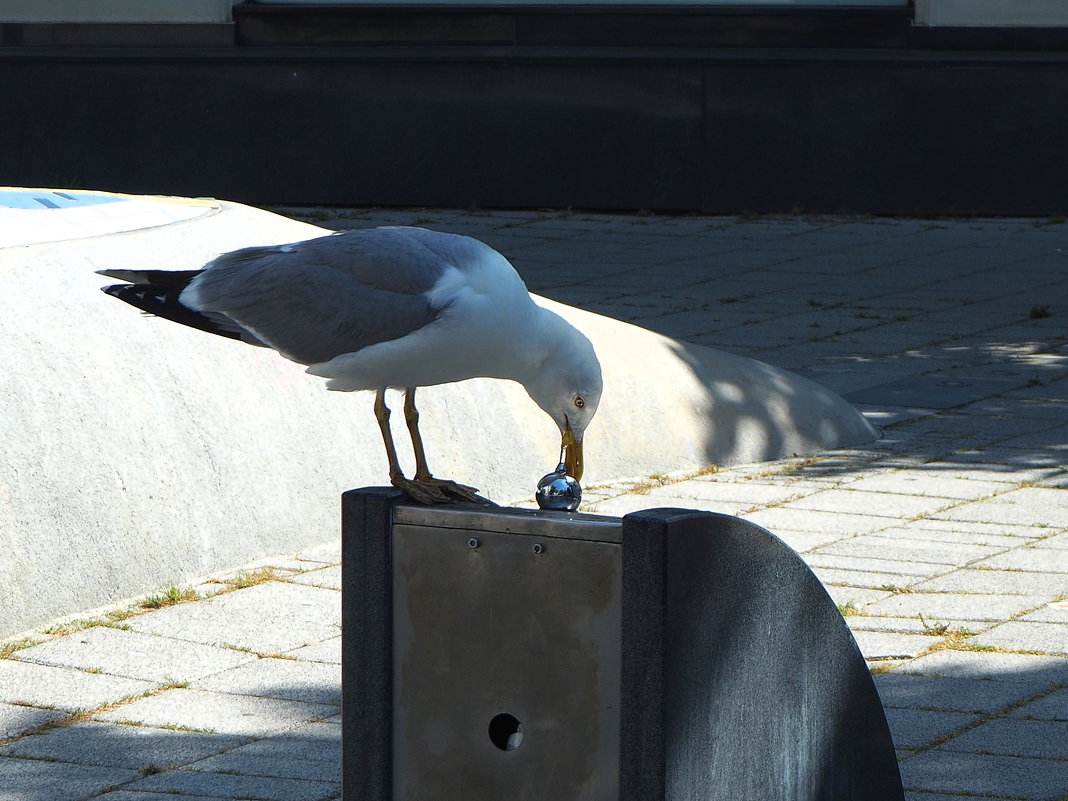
(389, 307)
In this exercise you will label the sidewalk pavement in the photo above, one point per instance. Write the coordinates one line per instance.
(945, 542)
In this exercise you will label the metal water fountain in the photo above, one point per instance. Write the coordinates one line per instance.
(536, 655)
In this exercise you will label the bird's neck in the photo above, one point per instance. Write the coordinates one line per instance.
(550, 345)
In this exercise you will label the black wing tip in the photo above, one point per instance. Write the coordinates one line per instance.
(114, 289)
(165, 301)
(119, 275)
(159, 278)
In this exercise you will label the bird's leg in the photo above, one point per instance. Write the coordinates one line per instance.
(382, 415)
(411, 417)
(450, 490)
(415, 489)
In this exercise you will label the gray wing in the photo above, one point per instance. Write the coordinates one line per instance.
(317, 299)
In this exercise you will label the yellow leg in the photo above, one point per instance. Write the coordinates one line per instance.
(382, 414)
(423, 488)
(411, 417)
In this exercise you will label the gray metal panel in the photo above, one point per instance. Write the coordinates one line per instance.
(495, 627)
(570, 525)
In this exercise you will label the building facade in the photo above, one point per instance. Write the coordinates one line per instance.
(872, 106)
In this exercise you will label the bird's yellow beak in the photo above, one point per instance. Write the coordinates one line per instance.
(572, 453)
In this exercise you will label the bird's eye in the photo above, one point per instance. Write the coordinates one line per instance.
(579, 401)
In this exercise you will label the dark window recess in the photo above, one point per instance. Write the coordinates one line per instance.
(116, 34)
(611, 26)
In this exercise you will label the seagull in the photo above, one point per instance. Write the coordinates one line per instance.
(390, 307)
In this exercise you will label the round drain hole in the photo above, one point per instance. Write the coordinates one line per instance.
(506, 732)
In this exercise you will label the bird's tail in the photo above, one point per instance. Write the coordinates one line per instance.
(158, 292)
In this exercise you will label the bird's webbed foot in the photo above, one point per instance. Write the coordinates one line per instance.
(432, 491)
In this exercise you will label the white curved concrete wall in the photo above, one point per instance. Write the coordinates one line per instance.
(137, 452)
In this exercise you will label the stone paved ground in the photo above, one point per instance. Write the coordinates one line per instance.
(945, 542)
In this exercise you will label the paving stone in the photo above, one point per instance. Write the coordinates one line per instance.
(1053, 706)
(882, 416)
(1039, 672)
(259, 788)
(59, 688)
(109, 744)
(869, 622)
(663, 498)
(919, 795)
(1017, 408)
(883, 504)
(1057, 391)
(15, 719)
(622, 505)
(860, 597)
(805, 541)
(822, 522)
(328, 553)
(993, 428)
(863, 578)
(821, 558)
(325, 651)
(207, 589)
(839, 378)
(893, 645)
(915, 728)
(1038, 560)
(912, 548)
(1060, 541)
(1053, 612)
(282, 563)
(313, 682)
(1031, 506)
(1038, 464)
(326, 577)
(1058, 481)
(997, 534)
(997, 582)
(1039, 439)
(911, 691)
(738, 492)
(315, 742)
(134, 655)
(223, 713)
(267, 618)
(245, 764)
(36, 780)
(934, 391)
(1007, 777)
(973, 468)
(954, 608)
(1047, 638)
(1012, 737)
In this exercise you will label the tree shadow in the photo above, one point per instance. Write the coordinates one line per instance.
(85, 757)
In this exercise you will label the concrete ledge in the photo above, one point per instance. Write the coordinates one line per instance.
(138, 452)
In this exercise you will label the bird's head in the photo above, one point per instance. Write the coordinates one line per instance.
(567, 386)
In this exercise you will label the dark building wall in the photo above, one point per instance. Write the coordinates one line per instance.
(882, 129)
